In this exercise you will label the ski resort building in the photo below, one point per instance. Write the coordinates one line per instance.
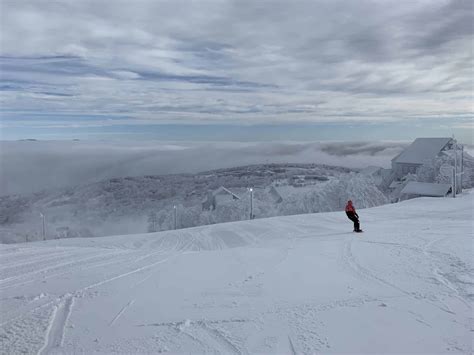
(221, 195)
(421, 151)
(417, 189)
(275, 195)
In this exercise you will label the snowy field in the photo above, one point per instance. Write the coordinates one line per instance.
(299, 284)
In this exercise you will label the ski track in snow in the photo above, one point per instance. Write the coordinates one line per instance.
(49, 268)
(259, 259)
(56, 329)
(437, 273)
(371, 275)
(207, 334)
(364, 272)
(292, 347)
(67, 272)
(124, 308)
(222, 343)
(33, 261)
(62, 305)
(79, 292)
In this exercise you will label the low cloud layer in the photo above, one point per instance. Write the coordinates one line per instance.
(102, 63)
(28, 167)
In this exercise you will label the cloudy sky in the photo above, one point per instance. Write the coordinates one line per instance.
(236, 70)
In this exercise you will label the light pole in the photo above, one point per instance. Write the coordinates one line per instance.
(251, 203)
(455, 168)
(43, 227)
(454, 182)
(462, 165)
(175, 217)
(458, 183)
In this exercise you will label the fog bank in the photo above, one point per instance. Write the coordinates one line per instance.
(32, 166)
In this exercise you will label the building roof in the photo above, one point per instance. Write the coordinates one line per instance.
(426, 189)
(395, 184)
(222, 191)
(421, 150)
(275, 194)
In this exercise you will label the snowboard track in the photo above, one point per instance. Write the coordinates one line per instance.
(370, 275)
(80, 292)
(55, 333)
(119, 314)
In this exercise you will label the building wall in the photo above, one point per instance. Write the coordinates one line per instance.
(222, 198)
(402, 169)
(213, 200)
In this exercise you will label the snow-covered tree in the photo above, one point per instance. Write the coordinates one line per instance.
(152, 222)
(333, 196)
(430, 170)
(468, 177)
(188, 216)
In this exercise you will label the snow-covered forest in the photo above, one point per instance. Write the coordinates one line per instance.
(162, 202)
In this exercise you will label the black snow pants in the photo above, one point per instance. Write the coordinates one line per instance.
(354, 218)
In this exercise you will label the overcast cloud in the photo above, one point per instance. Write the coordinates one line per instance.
(98, 63)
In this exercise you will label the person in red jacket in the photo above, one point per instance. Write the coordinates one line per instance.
(353, 216)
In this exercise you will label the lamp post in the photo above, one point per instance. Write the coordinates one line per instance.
(251, 203)
(453, 184)
(455, 168)
(462, 166)
(43, 227)
(175, 213)
(458, 172)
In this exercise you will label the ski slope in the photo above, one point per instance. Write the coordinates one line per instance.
(298, 284)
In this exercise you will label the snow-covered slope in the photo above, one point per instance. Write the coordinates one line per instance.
(299, 284)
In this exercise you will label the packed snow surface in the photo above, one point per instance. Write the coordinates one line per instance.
(298, 284)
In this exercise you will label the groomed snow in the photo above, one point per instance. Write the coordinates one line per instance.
(299, 284)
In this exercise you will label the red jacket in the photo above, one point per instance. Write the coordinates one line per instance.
(350, 207)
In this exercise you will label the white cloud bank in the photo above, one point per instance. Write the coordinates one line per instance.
(28, 167)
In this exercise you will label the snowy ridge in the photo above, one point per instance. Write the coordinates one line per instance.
(296, 284)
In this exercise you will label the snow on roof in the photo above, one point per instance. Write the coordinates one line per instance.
(219, 191)
(222, 190)
(421, 150)
(275, 194)
(426, 189)
(395, 184)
